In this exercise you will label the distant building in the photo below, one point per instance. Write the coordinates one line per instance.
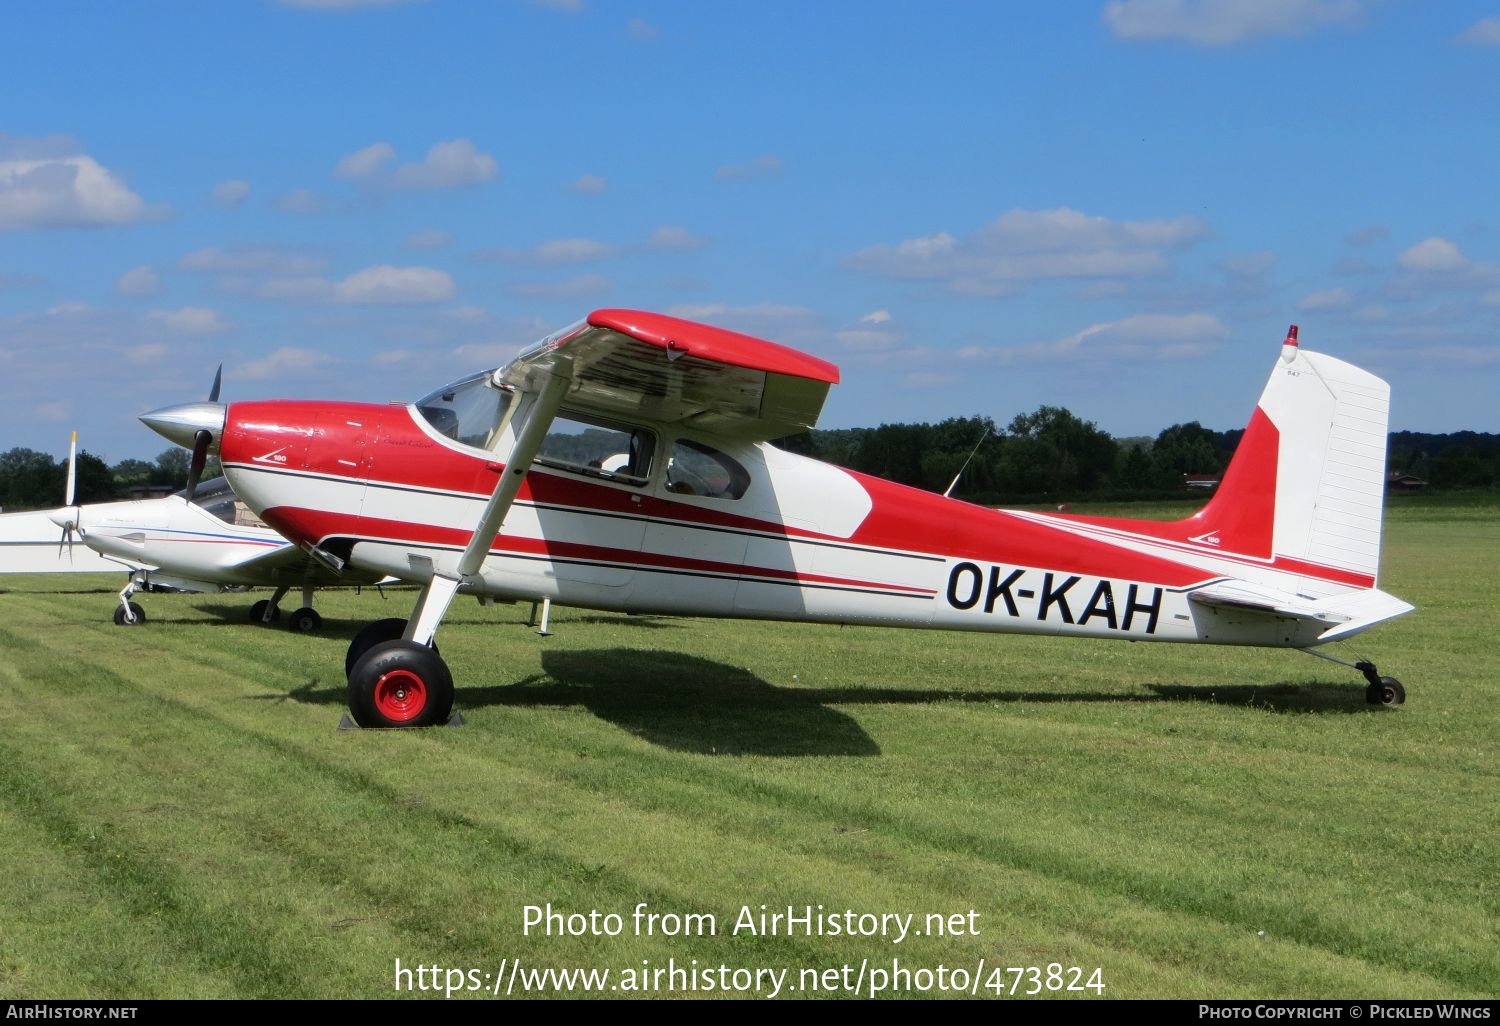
(1398, 482)
(1201, 482)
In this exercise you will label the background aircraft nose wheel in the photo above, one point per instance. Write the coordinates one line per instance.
(134, 618)
(258, 612)
(1386, 691)
(305, 621)
(400, 684)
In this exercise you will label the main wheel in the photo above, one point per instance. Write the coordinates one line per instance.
(1388, 692)
(372, 634)
(135, 618)
(258, 612)
(400, 684)
(304, 621)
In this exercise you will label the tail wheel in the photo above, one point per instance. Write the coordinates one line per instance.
(304, 621)
(258, 612)
(132, 618)
(400, 684)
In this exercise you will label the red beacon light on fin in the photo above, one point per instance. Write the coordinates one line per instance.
(1291, 336)
(1289, 347)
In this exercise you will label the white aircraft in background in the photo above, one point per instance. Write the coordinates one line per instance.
(29, 542)
(199, 540)
(472, 490)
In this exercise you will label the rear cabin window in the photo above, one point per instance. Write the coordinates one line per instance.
(698, 469)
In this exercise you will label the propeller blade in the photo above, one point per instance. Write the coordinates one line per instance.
(72, 470)
(201, 441)
(213, 393)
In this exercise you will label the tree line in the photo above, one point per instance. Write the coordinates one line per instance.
(1046, 456)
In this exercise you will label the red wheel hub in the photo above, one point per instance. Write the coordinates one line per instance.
(400, 695)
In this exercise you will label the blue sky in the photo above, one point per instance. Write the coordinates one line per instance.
(970, 207)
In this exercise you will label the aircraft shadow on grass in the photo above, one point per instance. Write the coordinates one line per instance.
(687, 703)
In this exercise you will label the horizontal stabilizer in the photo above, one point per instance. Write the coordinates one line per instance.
(1344, 615)
(1244, 595)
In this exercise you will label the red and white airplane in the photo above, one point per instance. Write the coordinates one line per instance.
(497, 486)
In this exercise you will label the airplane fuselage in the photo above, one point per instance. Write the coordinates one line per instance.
(379, 487)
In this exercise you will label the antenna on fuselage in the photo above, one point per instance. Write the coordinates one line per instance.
(954, 482)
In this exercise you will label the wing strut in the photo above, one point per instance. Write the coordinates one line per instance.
(437, 593)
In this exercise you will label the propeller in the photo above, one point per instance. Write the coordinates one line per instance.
(70, 519)
(202, 439)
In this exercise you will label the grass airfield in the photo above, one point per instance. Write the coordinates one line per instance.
(181, 818)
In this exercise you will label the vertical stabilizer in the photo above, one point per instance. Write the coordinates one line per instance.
(1307, 483)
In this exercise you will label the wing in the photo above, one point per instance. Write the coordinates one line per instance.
(633, 364)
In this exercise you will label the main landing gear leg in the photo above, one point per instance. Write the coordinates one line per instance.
(403, 682)
(268, 612)
(1379, 690)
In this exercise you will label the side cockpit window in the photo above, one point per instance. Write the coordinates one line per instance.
(698, 469)
(470, 411)
(596, 449)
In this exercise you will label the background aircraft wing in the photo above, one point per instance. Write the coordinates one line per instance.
(290, 565)
(631, 364)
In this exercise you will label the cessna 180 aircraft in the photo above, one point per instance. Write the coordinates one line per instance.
(487, 487)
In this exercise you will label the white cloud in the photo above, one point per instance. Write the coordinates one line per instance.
(140, 281)
(386, 284)
(867, 340)
(300, 201)
(286, 360)
(448, 164)
(1484, 32)
(232, 192)
(1328, 299)
(1223, 22)
(1433, 255)
(589, 185)
(251, 260)
(1249, 265)
(429, 239)
(145, 355)
(70, 191)
(675, 239)
(580, 287)
(190, 320)
(365, 162)
(641, 30)
(767, 166)
(1155, 337)
(344, 5)
(1027, 245)
(876, 317)
(552, 253)
(1367, 235)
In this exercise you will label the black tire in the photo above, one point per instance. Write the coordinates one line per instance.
(370, 635)
(1388, 692)
(258, 612)
(137, 613)
(304, 621)
(400, 684)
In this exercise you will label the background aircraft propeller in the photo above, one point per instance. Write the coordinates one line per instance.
(71, 521)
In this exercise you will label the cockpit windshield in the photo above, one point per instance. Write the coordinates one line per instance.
(469, 411)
